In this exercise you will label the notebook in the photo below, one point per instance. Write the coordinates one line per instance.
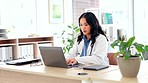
(53, 56)
(95, 67)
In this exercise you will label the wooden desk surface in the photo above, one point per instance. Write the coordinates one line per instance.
(116, 77)
(71, 73)
(109, 75)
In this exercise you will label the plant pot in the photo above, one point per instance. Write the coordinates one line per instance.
(129, 67)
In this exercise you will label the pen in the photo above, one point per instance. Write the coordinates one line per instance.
(82, 73)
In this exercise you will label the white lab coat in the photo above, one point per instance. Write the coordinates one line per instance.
(98, 55)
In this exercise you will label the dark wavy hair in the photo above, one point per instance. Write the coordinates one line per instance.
(96, 29)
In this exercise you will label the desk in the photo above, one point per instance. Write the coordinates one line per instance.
(42, 74)
(116, 77)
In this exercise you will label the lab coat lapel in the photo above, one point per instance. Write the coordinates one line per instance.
(80, 47)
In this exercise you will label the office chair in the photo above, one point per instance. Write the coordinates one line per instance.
(112, 59)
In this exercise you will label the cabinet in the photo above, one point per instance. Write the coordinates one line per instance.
(17, 42)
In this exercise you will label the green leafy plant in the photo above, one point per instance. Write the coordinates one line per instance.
(69, 36)
(125, 47)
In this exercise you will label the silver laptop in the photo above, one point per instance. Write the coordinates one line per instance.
(53, 56)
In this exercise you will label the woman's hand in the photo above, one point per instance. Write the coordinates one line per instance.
(71, 61)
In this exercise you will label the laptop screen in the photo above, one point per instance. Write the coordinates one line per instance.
(53, 56)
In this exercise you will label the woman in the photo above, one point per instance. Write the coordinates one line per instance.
(91, 45)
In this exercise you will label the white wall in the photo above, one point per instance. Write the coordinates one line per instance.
(0, 12)
(31, 16)
(23, 15)
(44, 28)
(18, 14)
(43, 25)
(141, 20)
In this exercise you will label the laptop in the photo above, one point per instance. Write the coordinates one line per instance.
(53, 56)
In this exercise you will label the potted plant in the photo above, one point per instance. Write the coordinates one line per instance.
(129, 56)
(68, 37)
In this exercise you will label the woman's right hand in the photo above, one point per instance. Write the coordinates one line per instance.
(71, 61)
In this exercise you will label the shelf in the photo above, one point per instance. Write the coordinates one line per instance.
(5, 45)
(35, 39)
(8, 41)
(16, 43)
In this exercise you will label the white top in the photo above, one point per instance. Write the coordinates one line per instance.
(98, 55)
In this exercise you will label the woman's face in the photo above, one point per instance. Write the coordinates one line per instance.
(85, 27)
